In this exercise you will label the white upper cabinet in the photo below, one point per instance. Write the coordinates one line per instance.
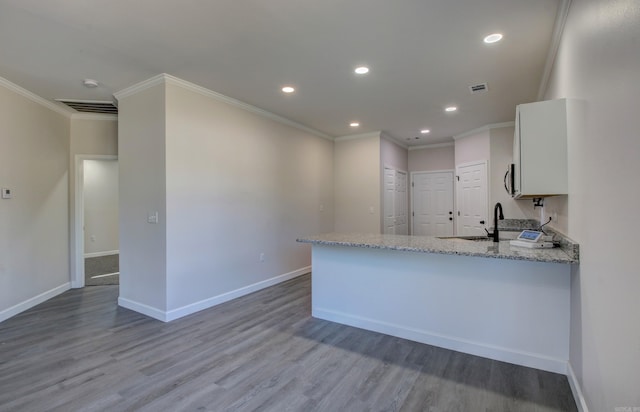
(540, 149)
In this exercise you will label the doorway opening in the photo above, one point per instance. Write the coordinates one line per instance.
(96, 221)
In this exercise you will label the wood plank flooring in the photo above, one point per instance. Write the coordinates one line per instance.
(263, 352)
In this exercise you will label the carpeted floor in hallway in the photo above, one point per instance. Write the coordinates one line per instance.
(102, 270)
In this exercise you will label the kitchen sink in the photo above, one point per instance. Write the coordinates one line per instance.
(473, 238)
(504, 235)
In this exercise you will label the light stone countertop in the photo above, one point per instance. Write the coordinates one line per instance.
(428, 244)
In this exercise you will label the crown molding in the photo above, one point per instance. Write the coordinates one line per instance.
(168, 79)
(558, 29)
(356, 136)
(432, 146)
(94, 116)
(35, 98)
(386, 136)
(484, 129)
(138, 87)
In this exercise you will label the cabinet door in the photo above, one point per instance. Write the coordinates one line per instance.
(541, 141)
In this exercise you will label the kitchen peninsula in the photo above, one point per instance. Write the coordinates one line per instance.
(479, 297)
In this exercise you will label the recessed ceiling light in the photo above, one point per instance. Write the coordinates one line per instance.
(450, 109)
(362, 70)
(288, 89)
(425, 131)
(90, 83)
(492, 38)
(354, 124)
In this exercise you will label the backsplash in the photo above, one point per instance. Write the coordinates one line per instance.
(518, 224)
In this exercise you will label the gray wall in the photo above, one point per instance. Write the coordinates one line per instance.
(357, 180)
(34, 240)
(432, 158)
(229, 185)
(598, 63)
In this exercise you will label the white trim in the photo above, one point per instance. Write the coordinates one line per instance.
(99, 254)
(94, 116)
(167, 316)
(558, 29)
(485, 128)
(434, 171)
(216, 300)
(532, 360)
(581, 402)
(475, 162)
(142, 308)
(356, 136)
(391, 139)
(140, 86)
(35, 98)
(31, 302)
(168, 79)
(77, 250)
(432, 146)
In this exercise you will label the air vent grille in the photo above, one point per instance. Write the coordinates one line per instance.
(478, 88)
(91, 106)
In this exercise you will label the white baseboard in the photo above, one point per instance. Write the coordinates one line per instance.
(36, 300)
(167, 316)
(581, 402)
(216, 300)
(142, 308)
(105, 253)
(532, 360)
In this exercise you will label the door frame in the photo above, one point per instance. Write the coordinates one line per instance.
(457, 187)
(411, 194)
(77, 251)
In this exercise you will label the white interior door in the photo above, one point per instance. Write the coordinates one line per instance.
(395, 211)
(432, 205)
(472, 190)
(388, 202)
(400, 204)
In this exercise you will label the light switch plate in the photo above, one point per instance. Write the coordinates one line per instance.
(152, 217)
(6, 193)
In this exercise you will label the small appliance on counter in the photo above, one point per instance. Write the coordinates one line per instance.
(533, 239)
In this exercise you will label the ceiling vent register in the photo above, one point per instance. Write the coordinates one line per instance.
(479, 88)
(91, 106)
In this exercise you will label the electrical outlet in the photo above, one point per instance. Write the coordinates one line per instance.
(261, 257)
(6, 193)
(93, 238)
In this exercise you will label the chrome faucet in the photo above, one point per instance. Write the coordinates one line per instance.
(496, 234)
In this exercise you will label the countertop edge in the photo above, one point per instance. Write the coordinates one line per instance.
(372, 245)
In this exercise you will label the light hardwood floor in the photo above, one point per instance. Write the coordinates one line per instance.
(81, 352)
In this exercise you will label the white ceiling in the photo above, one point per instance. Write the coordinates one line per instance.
(423, 55)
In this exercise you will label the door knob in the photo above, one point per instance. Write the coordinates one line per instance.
(482, 222)
(450, 212)
(450, 218)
